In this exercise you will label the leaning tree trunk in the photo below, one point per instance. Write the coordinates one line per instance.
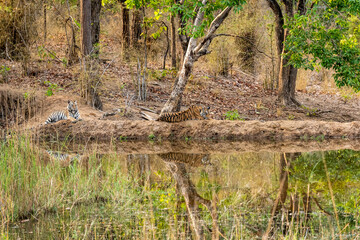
(174, 102)
(193, 52)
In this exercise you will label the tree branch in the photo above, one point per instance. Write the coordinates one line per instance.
(279, 19)
(301, 7)
(201, 49)
(244, 38)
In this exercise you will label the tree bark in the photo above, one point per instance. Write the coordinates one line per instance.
(44, 8)
(173, 42)
(136, 28)
(193, 53)
(125, 29)
(287, 73)
(191, 197)
(95, 25)
(86, 44)
(90, 68)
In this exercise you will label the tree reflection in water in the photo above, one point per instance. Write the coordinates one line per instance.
(175, 163)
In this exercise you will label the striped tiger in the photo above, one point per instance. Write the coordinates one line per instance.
(192, 113)
(62, 157)
(193, 159)
(60, 115)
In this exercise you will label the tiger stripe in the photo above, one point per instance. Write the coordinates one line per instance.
(73, 110)
(192, 113)
(60, 115)
(62, 157)
(55, 117)
(193, 159)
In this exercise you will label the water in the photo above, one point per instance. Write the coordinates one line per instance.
(183, 195)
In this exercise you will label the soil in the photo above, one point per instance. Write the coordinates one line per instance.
(323, 116)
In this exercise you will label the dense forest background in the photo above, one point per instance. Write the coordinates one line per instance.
(165, 55)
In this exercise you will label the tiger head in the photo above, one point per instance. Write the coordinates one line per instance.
(72, 108)
(204, 111)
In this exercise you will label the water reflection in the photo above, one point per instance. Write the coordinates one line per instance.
(208, 196)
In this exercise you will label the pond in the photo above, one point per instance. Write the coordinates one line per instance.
(184, 194)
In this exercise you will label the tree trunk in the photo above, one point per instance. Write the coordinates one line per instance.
(174, 101)
(91, 80)
(173, 42)
(86, 44)
(184, 39)
(287, 73)
(125, 30)
(193, 53)
(136, 28)
(191, 197)
(44, 6)
(95, 25)
(287, 83)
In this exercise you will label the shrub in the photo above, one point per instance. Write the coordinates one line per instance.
(233, 115)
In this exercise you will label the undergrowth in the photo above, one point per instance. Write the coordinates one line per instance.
(107, 196)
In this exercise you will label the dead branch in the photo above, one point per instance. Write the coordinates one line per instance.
(244, 38)
(322, 209)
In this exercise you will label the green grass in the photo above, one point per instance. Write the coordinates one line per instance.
(107, 196)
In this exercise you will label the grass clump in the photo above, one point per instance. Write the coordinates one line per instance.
(233, 115)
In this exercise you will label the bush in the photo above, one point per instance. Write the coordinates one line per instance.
(17, 28)
(233, 115)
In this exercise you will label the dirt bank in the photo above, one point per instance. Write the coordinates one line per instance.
(200, 147)
(105, 130)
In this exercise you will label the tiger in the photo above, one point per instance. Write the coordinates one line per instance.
(192, 113)
(60, 115)
(193, 159)
(63, 157)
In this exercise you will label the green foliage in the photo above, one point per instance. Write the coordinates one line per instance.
(151, 137)
(123, 138)
(52, 87)
(314, 173)
(328, 36)
(187, 11)
(65, 62)
(291, 117)
(233, 115)
(343, 168)
(309, 111)
(4, 71)
(45, 54)
(162, 74)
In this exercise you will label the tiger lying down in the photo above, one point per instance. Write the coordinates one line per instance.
(192, 113)
(60, 115)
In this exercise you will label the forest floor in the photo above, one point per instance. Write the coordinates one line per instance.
(239, 91)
